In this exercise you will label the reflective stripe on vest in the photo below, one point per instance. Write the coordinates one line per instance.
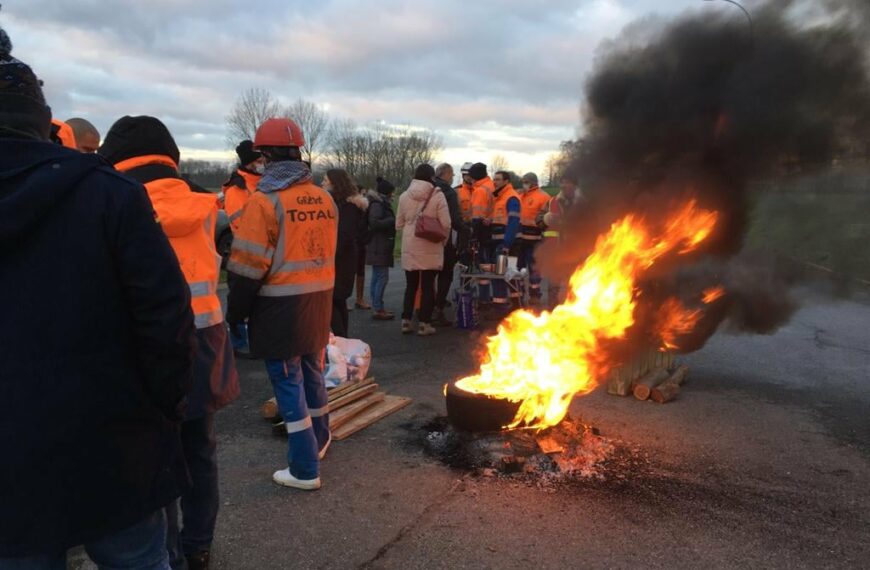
(173, 200)
(299, 289)
(532, 204)
(287, 240)
(254, 248)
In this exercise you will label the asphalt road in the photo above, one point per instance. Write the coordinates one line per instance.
(761, 463)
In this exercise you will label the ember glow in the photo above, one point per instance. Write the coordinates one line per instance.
(543, 361)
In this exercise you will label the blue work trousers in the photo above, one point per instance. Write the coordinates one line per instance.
(240, 340)
(302, 400)
(380, 278)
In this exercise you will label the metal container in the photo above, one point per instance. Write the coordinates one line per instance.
(501, 264)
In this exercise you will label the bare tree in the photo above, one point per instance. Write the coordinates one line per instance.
(553, 170)
(498, 162)
(315, 124)
(251, 109)
(380, 150)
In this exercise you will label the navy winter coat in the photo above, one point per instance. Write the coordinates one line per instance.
(96, 351)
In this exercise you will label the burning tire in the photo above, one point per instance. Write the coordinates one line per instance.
(477, 412)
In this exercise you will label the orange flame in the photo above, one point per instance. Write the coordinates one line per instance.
(713, 294)
(543, 361)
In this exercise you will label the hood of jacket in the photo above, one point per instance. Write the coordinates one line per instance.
(359, 201)
(36, 176)
(375, 196)
(180, 211)
(420, 190)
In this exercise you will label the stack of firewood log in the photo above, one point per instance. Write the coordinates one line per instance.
(654, 376)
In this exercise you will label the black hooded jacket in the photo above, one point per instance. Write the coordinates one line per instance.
(98, 336)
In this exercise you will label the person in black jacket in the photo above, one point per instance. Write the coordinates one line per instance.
(461, 231)
(381, 248)
(103, 340)
(352, 207)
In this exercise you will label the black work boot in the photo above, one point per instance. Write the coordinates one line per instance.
(198, 561)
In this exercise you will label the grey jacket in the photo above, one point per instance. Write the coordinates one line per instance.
(382, 231)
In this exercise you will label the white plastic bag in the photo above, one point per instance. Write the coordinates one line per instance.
(336, 367)
(357, 354)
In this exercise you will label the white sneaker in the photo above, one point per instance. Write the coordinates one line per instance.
(407, 327)
(322, 453)
(426, 330)
(285, 479)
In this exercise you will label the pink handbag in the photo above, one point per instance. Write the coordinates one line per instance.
(429, 228)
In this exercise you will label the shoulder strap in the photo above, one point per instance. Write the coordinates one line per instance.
(426, 203)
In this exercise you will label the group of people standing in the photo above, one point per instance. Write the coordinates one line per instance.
(109, 270)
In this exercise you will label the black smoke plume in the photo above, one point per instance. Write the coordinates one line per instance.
(705, 106)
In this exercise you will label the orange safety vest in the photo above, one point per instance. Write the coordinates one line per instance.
(463, 191)
(500, 214)
(236, 194)
(532, 204)
(63, 133)
(188, 219)
(287, 240)
(481, 199)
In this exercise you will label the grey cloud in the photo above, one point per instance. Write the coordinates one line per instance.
(444, 65)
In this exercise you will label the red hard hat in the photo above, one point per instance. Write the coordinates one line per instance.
(279, 132)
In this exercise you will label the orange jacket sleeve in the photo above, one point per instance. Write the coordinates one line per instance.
(254, 241)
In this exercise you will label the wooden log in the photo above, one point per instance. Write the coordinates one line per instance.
(391, 404)
(665, 393)
(348, 412)
(644, 386)
(269, 409)
(670, 388)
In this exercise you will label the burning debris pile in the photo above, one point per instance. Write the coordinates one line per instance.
(571, 450)
(678, 125)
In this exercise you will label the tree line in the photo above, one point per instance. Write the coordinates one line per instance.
(365, 151)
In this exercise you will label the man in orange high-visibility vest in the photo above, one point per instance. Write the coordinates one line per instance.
(533, 203)
(282, 270)
(143, 149)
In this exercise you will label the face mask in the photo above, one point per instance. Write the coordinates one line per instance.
(259, 168)
(527, 187)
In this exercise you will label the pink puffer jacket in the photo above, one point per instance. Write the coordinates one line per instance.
(420, 254)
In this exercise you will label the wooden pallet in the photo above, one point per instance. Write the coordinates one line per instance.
(390, 405)
(353, 407)
(269, 409)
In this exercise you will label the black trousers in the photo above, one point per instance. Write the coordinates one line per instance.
(445, 276)
(340, 318)
(200, 504)
(426, 281)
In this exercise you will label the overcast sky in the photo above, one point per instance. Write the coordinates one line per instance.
(489, 76)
